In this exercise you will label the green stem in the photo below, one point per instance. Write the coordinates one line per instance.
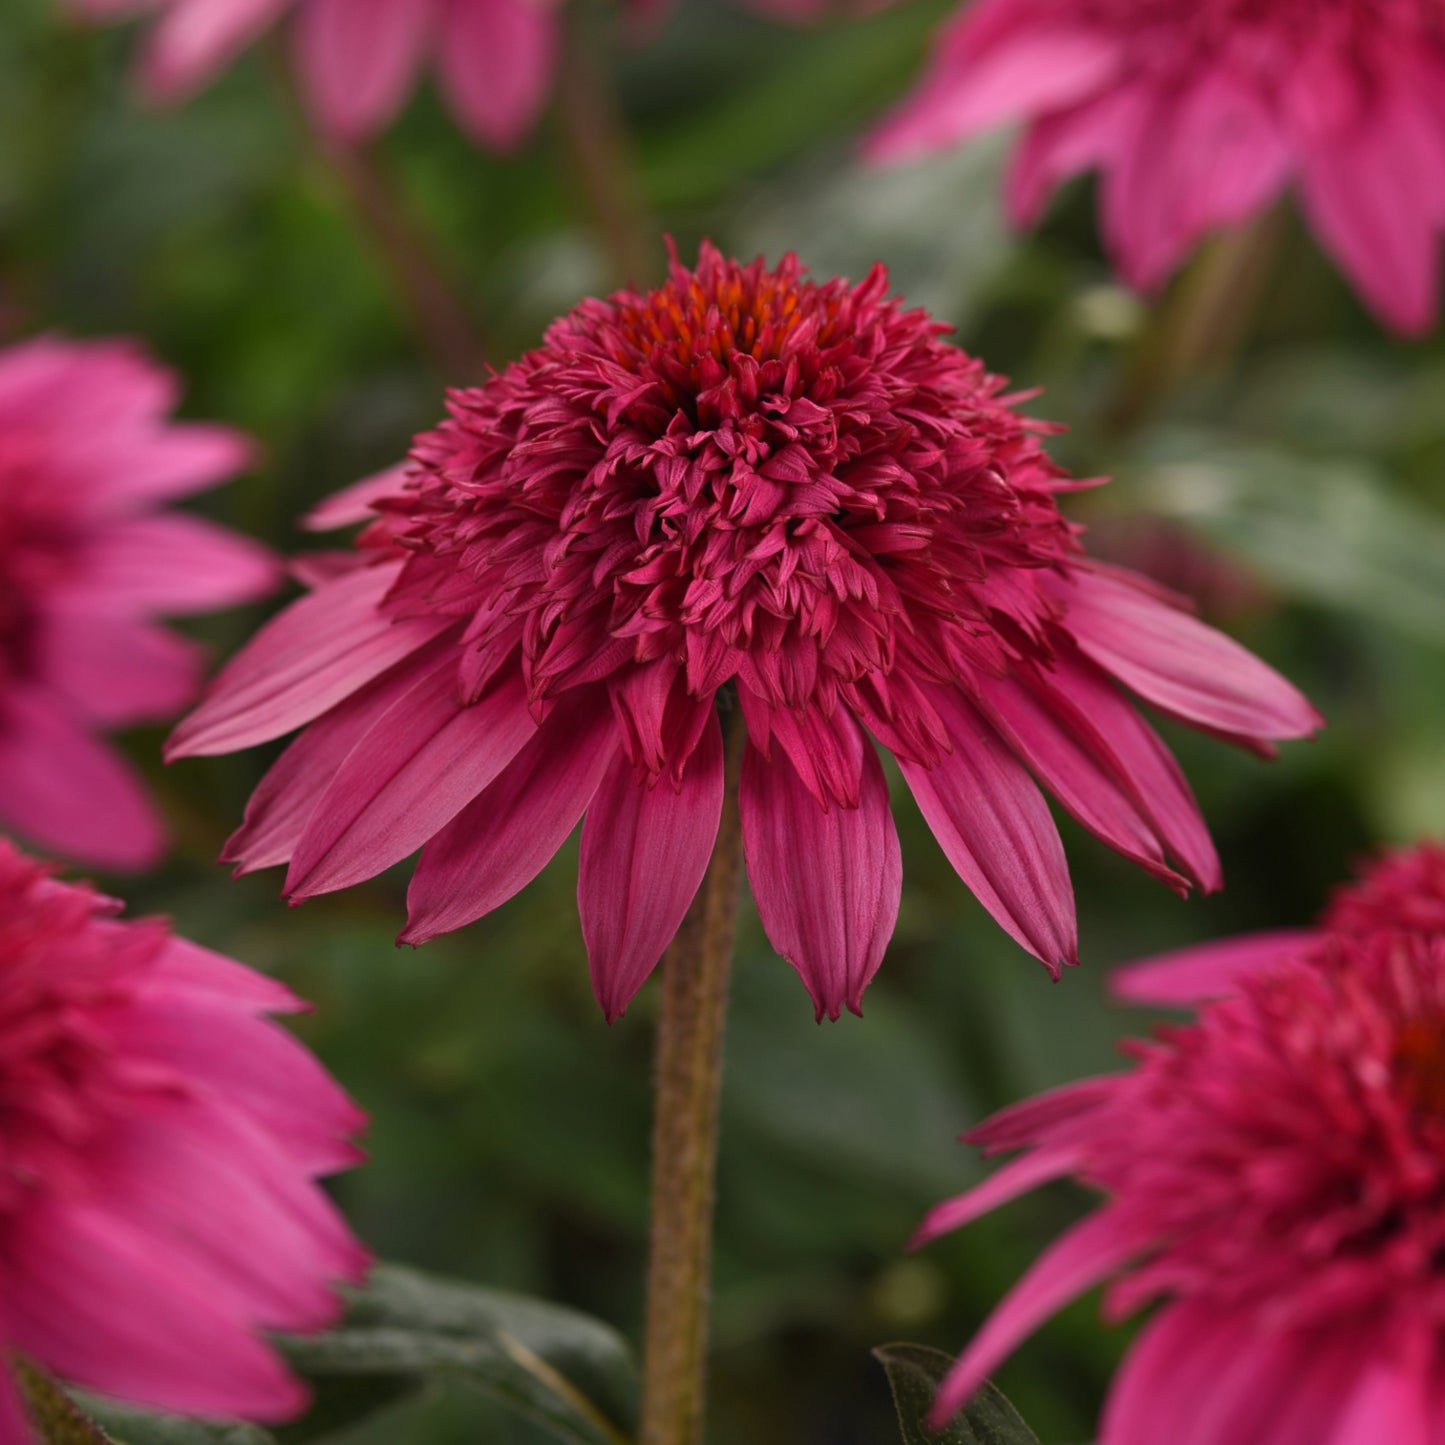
(1208, 316)
(601, 152)
(685, 1130)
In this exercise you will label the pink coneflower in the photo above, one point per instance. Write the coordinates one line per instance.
(1199, 112)
(751, 490)
(161, 1139)
(1399, 891)
(1274, 1177)
(88, 561)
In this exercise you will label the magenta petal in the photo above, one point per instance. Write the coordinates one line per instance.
(180, 1352)
(417, 768)
(357, 60)
(1075, 1262)
(70, 793)
(1032, 1120)
(114, 669)
(992, 822)
(1014, 1178)
(174, 564)
(827, 884)
(14, 1420)
(509, 832)
(188, 969)
(1178, 663)
(496, 59)
(1207, 970)
(644, 853)
(1068, 757)
(196, 38)
(278, 811)
(320, 650)
(354, 503)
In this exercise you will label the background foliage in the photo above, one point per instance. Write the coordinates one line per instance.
(1292, 475)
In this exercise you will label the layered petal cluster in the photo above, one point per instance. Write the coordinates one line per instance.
(88, 562)
(1399, 891)
(1274, 1177)
(161, 1140)
(1198, 113)
(751, 491)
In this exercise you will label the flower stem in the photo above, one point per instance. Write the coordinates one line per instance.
(1208, 316)
(442, 321)
(602, 154)
(684, 1139)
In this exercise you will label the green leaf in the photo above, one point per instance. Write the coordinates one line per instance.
(129, 1426)
(570, 1373)
(1333, 531)
(914, 1373)
(57, 1419)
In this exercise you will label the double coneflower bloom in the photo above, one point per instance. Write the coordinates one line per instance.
(748, 495)
(1274, 1177)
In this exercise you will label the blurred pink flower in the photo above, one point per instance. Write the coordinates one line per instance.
(87, 561)
(1400, 891)
(358, 60)
(1274, 1174)
(161, 1139)
(749, 489)
(1199, 112)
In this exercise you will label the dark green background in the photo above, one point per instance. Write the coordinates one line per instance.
(509, 1135)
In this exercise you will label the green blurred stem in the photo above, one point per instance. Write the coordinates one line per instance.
(601, 152)
(426, 292)
(57, 1419)
(695, 972)
(1207, 317)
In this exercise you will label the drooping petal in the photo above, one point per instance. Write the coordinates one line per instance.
(1089, 1253)
(1068, 757)
(992, 822)
(186, 968)
(508, 833)
(495, 61)
(644, 853)
(70, 1264)
(195, 39)
(358, 58)
(1178, 663)
(172, 563)
(320, 650)
(70, 793)
(278, 811)
(1207, 970)
(1030, 1121)
(354, 503)
(827, 884)
(1019, 1176)
(417, 768)
(1130, 747)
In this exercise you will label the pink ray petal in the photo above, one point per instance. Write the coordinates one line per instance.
(1207, 970)
(417, 768)
(358, 58)
(115, 670)
(70, 793)
(1089, 1253)
(1179, 664)
(188, 969)
(509, 832)
(992, 822)
(1032, 1120)
(278, 811)
(1016, 1177)
(827, 884)
(354, 503)
(15, 1428)
(496, 59)
(644, 853)
(305, 660)
(194, 39)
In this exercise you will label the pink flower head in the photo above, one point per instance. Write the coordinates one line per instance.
(1199, 112)
(88, 561)
(1274, 1175)
(357, 60)
(161, 1139)
(1399, 891)
(750, 488)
